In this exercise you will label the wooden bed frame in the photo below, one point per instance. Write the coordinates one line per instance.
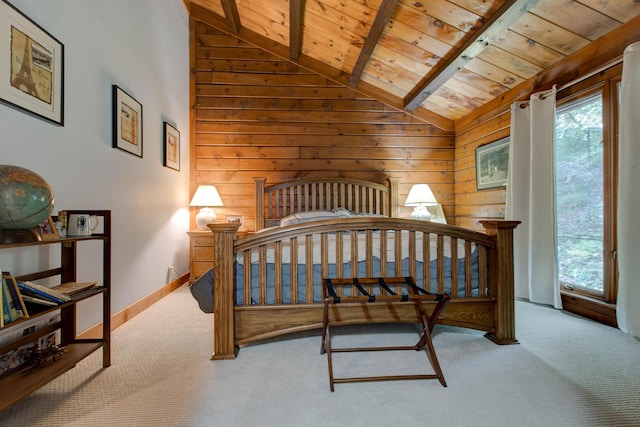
(490, 310)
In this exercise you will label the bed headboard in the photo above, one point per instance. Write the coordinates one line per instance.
(277, 201)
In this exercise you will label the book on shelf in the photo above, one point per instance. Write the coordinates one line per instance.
(16, 303)
(74, 288)
(13, 307)
(27, 288)
(9, 311)
(35, 300)
(48, 290)
(5, 313)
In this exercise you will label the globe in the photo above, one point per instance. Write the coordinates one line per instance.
(26, 199)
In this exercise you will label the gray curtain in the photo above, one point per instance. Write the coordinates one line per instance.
(531, 198)
(628, 303)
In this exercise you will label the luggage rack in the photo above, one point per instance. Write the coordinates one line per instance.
(391, 290)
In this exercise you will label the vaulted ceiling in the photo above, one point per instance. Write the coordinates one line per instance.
(436, 59)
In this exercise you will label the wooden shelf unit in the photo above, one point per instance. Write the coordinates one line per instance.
(21, 383)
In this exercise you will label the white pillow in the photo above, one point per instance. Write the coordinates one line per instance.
(268, 229)
(342, 213)
(300, 217)
(366, 214)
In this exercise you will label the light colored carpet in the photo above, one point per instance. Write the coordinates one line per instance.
(566, 371)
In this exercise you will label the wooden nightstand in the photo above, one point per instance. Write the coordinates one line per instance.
(200, 253)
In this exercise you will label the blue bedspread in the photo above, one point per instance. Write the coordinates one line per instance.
(317, 278)
(202, 289)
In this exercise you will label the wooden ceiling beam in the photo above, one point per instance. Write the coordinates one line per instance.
(231, 15)
(496, 25)
(296, 25)
(387, 7)
(331, 73)
(607, 49)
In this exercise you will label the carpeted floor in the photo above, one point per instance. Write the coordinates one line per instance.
(566, 371)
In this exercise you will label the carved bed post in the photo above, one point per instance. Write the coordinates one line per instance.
(502, 285)
(223, 315)
(393, 197)
(259, 193)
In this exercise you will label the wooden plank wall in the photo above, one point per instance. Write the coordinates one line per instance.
(491, 121)
(258, 115)
(473, 205)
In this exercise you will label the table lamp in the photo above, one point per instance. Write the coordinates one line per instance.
(206, 197)
(421, 196)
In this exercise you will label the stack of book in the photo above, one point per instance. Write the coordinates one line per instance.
(73, 288)
(14, 294)
(39, 294)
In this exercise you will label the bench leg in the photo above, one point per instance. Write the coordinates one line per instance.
(425, 341)
(325, 325)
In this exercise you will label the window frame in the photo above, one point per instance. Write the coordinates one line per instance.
(607, 83)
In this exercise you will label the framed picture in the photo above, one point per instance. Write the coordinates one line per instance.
(127, 122)
(437, 214)
(236, 219)
(492, 163)
(48, 229)
(31, 66)
(171, 147)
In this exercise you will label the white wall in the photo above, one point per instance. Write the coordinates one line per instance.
(143, 47)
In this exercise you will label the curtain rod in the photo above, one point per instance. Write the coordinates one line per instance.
(606, 65)
(600, 69)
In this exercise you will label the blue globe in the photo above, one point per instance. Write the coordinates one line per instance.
(26, 199)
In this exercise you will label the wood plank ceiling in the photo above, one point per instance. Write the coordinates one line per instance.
(435, 59)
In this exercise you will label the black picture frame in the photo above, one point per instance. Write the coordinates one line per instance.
(171, 152)
(31, 66)
(492, 164)
(127, 122)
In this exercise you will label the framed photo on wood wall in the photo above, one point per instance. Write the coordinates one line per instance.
(492, 164)
(235, 219)
(171, 147)
(127, 122)
(31, 66)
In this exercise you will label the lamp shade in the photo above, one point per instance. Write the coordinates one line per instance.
(421, 195)
(206, 196)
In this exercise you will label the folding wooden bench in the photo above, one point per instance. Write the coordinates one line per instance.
(380, 289)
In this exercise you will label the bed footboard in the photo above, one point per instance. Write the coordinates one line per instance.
(490, 307)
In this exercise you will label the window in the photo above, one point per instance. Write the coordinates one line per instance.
(585, 170)
(579, 171)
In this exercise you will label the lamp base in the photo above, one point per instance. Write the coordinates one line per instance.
(204, 217)
(421, 212)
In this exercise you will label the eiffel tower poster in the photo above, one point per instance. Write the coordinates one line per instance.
(31, 66)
